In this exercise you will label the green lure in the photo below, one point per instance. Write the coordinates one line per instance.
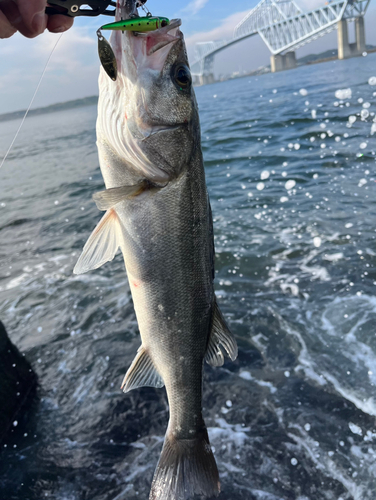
(140, 24)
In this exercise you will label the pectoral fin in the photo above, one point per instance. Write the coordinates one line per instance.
(102, 244)
(141, 373)
(220, 336)
(110, 197)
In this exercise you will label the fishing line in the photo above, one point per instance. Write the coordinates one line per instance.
(31, 102)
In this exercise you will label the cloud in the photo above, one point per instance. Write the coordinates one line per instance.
(195, 6)
(72, 71)
(223, 31)
(235, 57)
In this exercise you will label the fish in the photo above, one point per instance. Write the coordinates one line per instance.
(157, 212)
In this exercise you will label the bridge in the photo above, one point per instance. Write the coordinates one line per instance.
(284, 27)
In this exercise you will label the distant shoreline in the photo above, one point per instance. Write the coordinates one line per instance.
(329, 55)
(60, 106)
(332, 58)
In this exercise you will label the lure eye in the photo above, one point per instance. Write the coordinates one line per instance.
(182, 77)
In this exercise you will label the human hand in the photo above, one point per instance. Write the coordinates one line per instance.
(28, 17)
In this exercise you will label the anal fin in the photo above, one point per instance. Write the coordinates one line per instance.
(102, 244)
(220, 336)
(141, 373)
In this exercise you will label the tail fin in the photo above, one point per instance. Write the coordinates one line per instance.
(186, 468)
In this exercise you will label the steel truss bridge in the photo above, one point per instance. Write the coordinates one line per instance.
(283, 26)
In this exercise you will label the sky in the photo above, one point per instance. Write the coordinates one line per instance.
(73, 69)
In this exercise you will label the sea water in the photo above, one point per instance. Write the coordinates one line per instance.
(291, 172)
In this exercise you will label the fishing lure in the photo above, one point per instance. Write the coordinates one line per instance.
(107, 56)
(138, 24)
(134, 24)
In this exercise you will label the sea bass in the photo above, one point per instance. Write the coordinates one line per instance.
(158, 214)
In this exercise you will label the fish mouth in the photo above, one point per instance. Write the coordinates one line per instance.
(143, 50)
(138, 51)
(157, 39)
(150, 50)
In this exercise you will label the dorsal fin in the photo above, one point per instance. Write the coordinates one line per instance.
(220, 336)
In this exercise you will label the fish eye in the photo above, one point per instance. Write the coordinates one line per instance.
(181, 76)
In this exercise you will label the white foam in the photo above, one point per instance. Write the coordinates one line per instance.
(232, 468)
(367, 405)
(290, 287)
(325, 464)
(233, 434)
(355, 429)
(58, 258)
(334, 257)
(343, 94)
(317, 241)
(344, 319)
(15, 282)
(290, 184)
(317, 272)
(245, 375)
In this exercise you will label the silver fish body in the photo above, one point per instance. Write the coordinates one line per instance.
(158, 213)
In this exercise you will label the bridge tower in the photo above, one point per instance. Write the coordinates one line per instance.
(346, 49)
(281, 62)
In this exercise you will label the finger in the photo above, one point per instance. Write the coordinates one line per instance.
(6, 29)
(58, 23)
(11, 12)
(34, 19)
